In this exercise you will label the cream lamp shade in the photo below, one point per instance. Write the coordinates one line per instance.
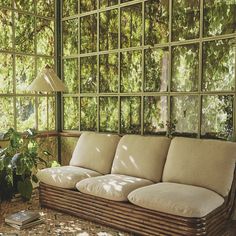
(47, 81)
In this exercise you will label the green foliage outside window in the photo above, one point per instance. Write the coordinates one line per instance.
(219, 66)
(130, 115)
(88, 76)
(109, 114)
(185, 19)
(27, 41)
(155, 114)
(108, 30)
(131, 71)
(146, 66)
(156, 22)
(131, 26)
(108, 73)
(216, 11)
(88, 113)
(185, 68)
(147, 61)
(184, 109)
(6, 29)
(156, 69)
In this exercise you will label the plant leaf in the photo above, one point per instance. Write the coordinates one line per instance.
(35, 179)
(55, 164)
(25, 189)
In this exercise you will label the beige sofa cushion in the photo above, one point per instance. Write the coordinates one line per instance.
(177, 199)
(95, 151)
(65, 176)
(112, 187)
(204, 163)
(141, 156)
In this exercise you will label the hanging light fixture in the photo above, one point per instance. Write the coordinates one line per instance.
(47, 81)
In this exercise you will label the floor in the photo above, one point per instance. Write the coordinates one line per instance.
(61, 224)
(56, 223)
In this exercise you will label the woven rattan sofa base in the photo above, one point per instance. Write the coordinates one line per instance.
(130, 218)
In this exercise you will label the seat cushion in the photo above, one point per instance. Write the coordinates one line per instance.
(112, 187)
(177, 199)
(95, 151)
(141, 156)
(204, 163)
(65, 176)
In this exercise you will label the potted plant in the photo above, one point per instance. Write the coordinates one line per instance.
(19, 163)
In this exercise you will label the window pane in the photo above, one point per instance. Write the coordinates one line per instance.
(6, 73)
(130, 114)
(217, 116)
(108, 73)
(45, 7)
(7, 113)
(218, 66)
(42, 113)
(131, 71)
(6, 3)
(108, 30)
(88, 74)
(88, 30)
(70, 7)
(71, 113)
(109, 114)
(24, 5)
(46, 113)
(131, 26)
(70, 75)
(86, 5)
(155, 114)
(45, 37)
(122, 1)
(219, 17)
(185, 68)
(156, 22)
(107, 3)
(25, 72)
(24, 33)
(184, 112)
(185, 20)
(26, 117)
(88, 113)
(52, 113)
(6, 30)
(70, 37)
(156, 69)
(43, 61)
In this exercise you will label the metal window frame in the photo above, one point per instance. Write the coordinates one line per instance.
(35, 57)
(200, 40)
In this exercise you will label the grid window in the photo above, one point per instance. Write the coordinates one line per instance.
(27, 42)
(145, 66)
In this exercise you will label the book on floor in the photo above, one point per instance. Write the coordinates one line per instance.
(30, 224)
(22, 217)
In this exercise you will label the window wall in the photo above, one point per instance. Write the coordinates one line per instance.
(27, 44)
(135, 66)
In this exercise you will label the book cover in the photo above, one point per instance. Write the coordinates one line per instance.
(22, 217)
(25, 226)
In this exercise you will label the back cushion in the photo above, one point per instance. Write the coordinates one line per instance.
(140, 156)
(204, 163)
(95, 151)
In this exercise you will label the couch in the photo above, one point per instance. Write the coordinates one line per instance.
(147, 185)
